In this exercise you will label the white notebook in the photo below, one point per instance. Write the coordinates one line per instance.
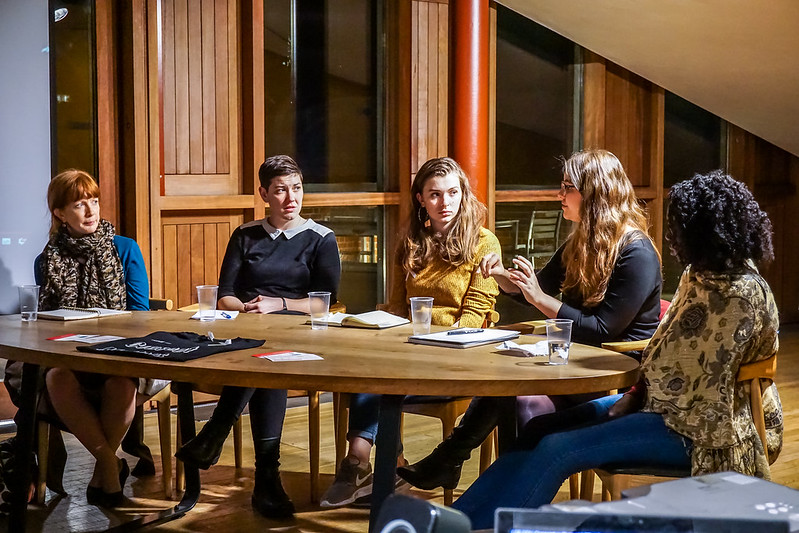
(80, 313)
(464, 337)
(370, 320)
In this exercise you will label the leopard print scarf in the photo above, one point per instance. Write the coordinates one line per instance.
(83, 272)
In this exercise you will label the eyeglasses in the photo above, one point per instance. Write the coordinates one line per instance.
(567, 187)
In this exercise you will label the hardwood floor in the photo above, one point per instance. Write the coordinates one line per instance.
(225, 501)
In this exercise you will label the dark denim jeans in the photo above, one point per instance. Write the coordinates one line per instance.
(530, 478)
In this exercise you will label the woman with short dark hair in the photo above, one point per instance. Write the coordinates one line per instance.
(270, 265)
(688, 410)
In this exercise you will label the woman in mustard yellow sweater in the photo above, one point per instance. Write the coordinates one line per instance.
(438, 256)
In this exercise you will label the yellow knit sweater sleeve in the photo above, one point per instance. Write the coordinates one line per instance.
(481, 294)
(460, 294)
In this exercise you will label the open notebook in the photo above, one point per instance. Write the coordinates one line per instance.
(370, 320)
(80, 313)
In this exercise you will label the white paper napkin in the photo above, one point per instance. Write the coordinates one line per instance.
(527, 350)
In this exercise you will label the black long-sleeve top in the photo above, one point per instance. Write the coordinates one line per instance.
(631, 307)
(263, 260)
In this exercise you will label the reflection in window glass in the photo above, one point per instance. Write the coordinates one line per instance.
(534, 230)
(321, 90)
(72, 71)
(359, 234)
(693, 143)
(692, 140)
(534, 102)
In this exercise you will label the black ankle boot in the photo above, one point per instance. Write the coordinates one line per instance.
(442, 468)
(268, 496)
(439, 469)
(204, 450)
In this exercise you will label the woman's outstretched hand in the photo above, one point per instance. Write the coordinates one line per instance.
(491, 265)
(523, 276)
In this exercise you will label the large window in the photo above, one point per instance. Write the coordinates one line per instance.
(322, 108)
(693, 143)
(322, 91)
(72, 75)
(535, 102)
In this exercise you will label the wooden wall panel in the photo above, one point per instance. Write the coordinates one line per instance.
(430, 81)
(194, 246)
(200, 97)
(773, 175)
(181, 39)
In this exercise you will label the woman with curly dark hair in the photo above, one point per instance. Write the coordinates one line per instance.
(688, 410)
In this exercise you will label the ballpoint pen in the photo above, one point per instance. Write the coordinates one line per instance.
(225, 315)
(464, 331)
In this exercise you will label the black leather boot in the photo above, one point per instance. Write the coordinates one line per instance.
(442, 468)
(268, 496)
(204, 450)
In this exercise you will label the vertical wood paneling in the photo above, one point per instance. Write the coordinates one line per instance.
(422, 58)
(168, 73)
(197, 255)
(223, 233)
(211, 255)
(195, 88)
(171, 260)
(443, 78)
(184, 283)
(432, 80)
(182, 87)
(209, 86)
(414, 86)
(222, 104)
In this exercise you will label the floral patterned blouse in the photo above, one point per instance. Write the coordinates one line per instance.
(715, 323)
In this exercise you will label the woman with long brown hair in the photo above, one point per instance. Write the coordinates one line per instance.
(687, 411)
(439, 255)
(607, 275)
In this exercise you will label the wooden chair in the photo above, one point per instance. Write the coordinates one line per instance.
(314, 424)
(446, 410)
(616, 478)
(162, 400)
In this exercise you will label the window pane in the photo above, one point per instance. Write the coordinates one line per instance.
(359, 234)
(534, 230)
(692, 144)
(534, 103)
(321, 90)
(72, 99)
(692, 140)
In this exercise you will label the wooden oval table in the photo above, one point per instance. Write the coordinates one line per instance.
(355, 360)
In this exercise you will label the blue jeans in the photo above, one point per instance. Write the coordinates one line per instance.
(365, 412)
(531, 478)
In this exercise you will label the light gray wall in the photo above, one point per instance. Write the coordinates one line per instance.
(24, 143)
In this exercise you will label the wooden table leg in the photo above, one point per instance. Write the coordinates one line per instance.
(387, 442)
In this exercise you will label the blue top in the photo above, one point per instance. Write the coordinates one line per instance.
(136, 282)
(263, 260)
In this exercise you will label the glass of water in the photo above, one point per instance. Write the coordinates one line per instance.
(29, 302)
(559, 334)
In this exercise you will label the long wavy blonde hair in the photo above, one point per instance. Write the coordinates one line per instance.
(609, 209)
(420, 243)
